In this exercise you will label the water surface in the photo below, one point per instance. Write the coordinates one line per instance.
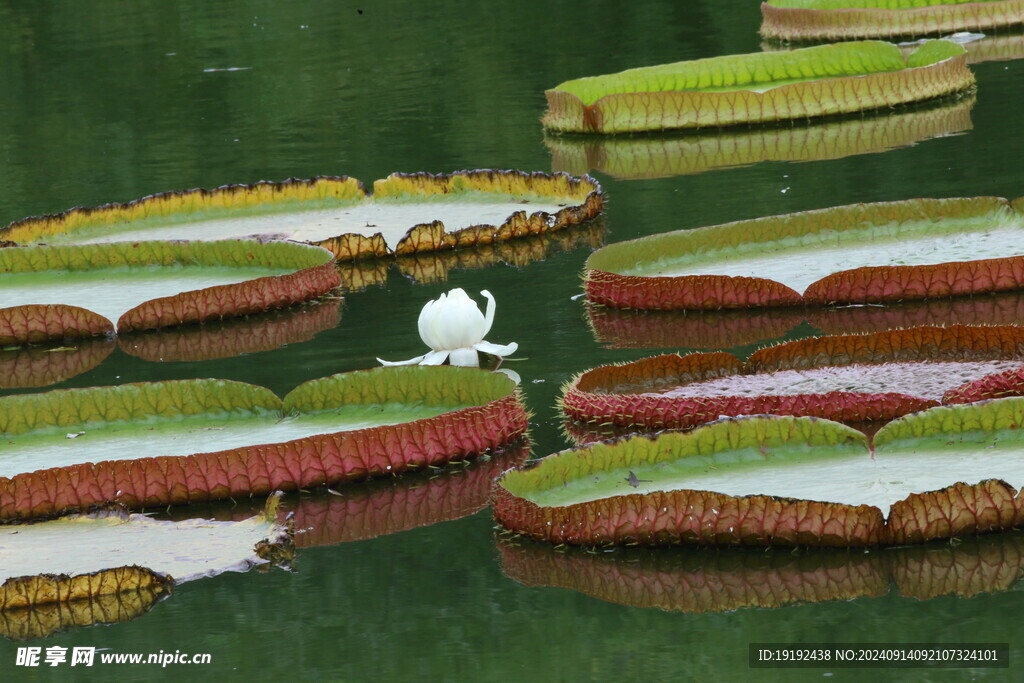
(112, 101)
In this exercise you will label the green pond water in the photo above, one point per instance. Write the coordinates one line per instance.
(112, 101)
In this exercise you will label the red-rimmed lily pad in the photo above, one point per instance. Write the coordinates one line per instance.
(700, 580)
(80, 568)
(671, 155)
(846, 19)
(162, 443)
(81, 291)
(946, 472)
(757, 88)
(856, 254)
(407, 213)
(849, 378)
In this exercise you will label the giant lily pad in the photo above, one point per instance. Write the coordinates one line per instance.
(80, 568)
(407, 213)
(941, 473)
(81, 291)
(176, 442)
(700, 580)
(846, 19)
(856, 254)
(850, 378)
(671, 155)
(757, 88)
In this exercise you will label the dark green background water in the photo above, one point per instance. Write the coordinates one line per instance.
(111, 101)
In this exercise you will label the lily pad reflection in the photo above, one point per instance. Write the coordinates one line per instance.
(631, 329)
(357, 512)
(663, 156)
(697, 580)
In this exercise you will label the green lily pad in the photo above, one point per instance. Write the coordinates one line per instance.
(407, 213)
(846, 19)
(780, 480)
(75, 291)
(757, 88)
(862, 253)
(173, 442)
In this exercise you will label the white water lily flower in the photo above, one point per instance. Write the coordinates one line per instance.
(454, 328)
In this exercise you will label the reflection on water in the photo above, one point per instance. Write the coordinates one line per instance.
(43, 365)
(626, 329)
(355, 513)
(39, 366)
(235, 336)
(700, 580)
(435, 266)
(670, 155)
(996, 47)
(44, 620)
(619, 328)
(364, 510)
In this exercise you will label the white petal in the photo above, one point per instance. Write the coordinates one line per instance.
(496, 349)
(489, 315)
(458, 322)
(511, 374)
(465, 357)
(411, 361)
(434, 358)
(425, 324)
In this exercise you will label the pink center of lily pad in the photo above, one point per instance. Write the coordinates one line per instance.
(929, 380)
